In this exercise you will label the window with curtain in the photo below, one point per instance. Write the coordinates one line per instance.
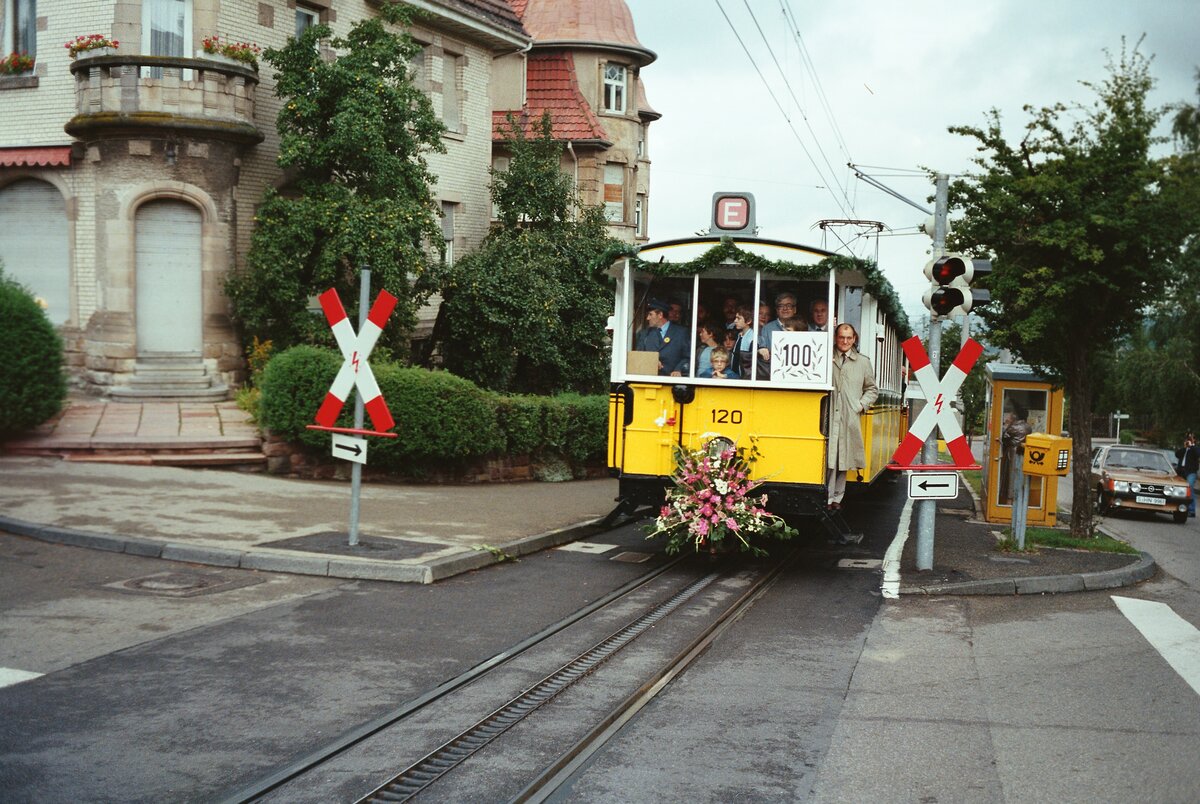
(451, 100)
(614, 192)
(18, 27)
(305, 19)
(614, 88)
(448, 230)
(166, 30)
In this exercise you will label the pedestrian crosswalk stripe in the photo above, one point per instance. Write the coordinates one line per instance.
(1177, 640)
(9, 676)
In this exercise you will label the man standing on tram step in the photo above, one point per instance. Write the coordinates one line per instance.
(671, 341)
(853, 392)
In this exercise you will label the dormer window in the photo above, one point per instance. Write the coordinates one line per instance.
(614, 88)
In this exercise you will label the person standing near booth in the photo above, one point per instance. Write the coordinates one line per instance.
(854, 390)
(1189, 466)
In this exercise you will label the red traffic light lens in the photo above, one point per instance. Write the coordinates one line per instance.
(943, 300)
(947, 269)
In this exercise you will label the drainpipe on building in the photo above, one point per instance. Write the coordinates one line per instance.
(575, 159)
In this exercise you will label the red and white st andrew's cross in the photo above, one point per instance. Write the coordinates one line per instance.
(937, 410)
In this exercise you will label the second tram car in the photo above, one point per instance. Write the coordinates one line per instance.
(780, 398)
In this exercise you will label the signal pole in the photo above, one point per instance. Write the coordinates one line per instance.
(927, 509)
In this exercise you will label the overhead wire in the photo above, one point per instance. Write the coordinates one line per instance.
(779, 106)
(806, 59)
(795, 100)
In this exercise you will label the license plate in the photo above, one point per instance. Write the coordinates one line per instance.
(1149, 500)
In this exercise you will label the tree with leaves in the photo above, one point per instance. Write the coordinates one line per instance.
(353, 134)
(1081, 235)
(1158, 368)
(526, 312)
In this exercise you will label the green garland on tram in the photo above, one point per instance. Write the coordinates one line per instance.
(726, 251)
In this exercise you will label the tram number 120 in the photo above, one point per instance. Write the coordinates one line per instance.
(726, 416)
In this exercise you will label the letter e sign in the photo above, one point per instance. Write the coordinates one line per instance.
(733, 212)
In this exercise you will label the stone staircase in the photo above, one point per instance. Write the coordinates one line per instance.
(170, 378)
(156, 433)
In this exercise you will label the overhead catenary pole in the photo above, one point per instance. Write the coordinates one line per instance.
(364, 301)
(927, 509)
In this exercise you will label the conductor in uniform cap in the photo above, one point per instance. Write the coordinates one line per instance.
(670, 340)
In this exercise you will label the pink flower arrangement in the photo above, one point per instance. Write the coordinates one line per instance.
(85, 42)
(16, 63)
(710, 504)
(238, 51)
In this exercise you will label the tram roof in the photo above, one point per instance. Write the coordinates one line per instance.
(689, 248)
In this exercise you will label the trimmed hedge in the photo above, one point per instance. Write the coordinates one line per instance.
(443, 420)
(32, 384)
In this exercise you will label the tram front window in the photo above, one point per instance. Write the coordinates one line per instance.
(661, 328)
(678, 324)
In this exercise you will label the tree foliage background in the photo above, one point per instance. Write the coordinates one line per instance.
(354, 132)
(1156, 370)
(526, 312)
(1081, 222)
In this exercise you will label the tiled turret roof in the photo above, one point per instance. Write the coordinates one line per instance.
(607, 23)
(551, 86)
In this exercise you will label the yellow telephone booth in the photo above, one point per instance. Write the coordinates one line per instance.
(1016, 392)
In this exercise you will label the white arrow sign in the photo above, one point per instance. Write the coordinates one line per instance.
(932, 485)
(349, 448)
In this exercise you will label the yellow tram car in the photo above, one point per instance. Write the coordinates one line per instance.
(781, 403)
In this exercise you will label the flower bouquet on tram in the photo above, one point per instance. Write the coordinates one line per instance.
(710, 507)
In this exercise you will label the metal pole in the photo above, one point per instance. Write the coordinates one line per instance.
(927, 509)
(1021, 509)
(364, 301)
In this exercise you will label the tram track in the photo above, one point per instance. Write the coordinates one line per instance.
(699, 608)
(257, 789)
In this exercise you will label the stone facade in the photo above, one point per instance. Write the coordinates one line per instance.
(200, 131)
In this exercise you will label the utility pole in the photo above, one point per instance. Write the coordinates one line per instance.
(927, 509)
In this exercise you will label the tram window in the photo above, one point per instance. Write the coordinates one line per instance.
(676, 296)
(716, 310)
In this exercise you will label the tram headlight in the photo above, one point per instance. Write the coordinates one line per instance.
(718, 445)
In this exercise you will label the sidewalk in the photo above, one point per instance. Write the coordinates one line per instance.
(143, 505)
(256, 521)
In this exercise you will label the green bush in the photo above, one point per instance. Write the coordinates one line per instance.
(442, 420)
(294, 384)
(32, 384)
(520, 417)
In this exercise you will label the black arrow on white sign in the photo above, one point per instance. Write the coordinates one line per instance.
(356, 449)
(925, 484)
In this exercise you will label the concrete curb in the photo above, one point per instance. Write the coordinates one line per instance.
(349, 568)
(1135, 572)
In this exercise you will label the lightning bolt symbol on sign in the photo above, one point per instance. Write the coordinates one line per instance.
(937, 413)
(354, 360)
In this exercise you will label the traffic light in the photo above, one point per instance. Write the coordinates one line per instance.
(950, 292)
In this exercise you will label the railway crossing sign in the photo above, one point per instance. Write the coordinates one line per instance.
(356, 371)
(933, 485)
(937, 411)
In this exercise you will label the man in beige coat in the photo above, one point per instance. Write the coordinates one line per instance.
(853, 392)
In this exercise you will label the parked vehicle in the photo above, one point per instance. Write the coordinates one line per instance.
(1139, 478)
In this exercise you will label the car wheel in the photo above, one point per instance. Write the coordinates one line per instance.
(1180, 517)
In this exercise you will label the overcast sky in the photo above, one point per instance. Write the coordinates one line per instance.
(894, 77)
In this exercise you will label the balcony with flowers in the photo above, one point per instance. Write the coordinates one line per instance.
(121, 94)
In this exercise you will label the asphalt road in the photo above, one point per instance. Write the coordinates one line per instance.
(823, 692)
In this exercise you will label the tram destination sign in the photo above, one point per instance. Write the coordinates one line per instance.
(932, 485)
